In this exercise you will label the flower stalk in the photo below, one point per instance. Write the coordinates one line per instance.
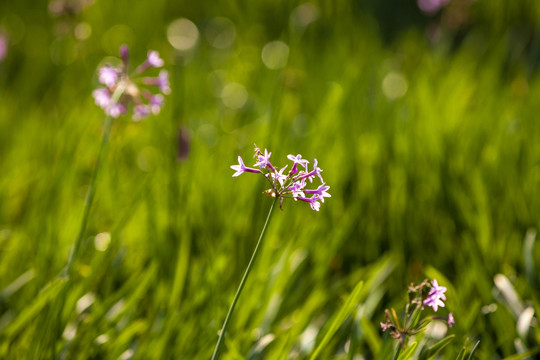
(92, 187)
(223, 331)
(118, 91)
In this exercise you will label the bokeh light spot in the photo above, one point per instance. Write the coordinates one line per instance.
(102, 241)
(275, 55)
(183, 34)
(234, 95)
(304, 15)
(83, 31)
(394, 85)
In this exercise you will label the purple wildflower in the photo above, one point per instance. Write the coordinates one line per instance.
(436, 296)
(162, 81)
(310, 175)
(291, 185)
(122, 88)
(124, 54)
(156, 102)
(264, 161)
(296, 190)
(451, 321)
(102, 97)
(278, 175)
(431, 6)
(3, 46)
(154, 60)
(297, 160)
(386, 325)
(141, 111)
(108, 76)
(241, 168)
(313, 201)
(321, 192)
(115, 110)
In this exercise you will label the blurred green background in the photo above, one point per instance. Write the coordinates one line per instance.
(425, 123)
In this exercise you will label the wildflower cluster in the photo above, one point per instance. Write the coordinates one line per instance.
(424, 294)
(291, 184)
(121, 89)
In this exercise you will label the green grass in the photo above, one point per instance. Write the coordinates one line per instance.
(441, 183)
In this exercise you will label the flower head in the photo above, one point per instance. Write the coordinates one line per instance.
(122, 89)
(287, 185)
(413, 322)
(436, 296)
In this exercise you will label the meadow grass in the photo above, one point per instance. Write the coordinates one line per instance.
(441, 182)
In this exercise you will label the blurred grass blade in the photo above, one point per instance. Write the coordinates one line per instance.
(345, 311)
(528, 247)
(31, 311)
(408, 353)
(525, 321)
(461, 354)
(526, 355)
(434, 350)
(509, 293)
(180, 276)
(17, 284)
(136, 294)
(371, 335)
(471, 355)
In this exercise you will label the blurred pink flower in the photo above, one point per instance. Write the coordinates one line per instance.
(3, 46)
(431, 6)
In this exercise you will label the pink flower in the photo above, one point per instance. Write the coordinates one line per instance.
(451, 321)
(321, 192)
(292, 185)
(126, 88)
(3, 46)
(431, 6)
(108, 75)
(154, 60)
(436, 296)
(241, 168)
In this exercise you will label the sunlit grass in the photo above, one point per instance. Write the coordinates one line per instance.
(439, 179)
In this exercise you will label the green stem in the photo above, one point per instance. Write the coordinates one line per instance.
(91, 189)
(89, 197)
(215, 356)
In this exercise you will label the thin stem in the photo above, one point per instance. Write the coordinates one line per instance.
(215, 356)
(91, 189)
(89, 197)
